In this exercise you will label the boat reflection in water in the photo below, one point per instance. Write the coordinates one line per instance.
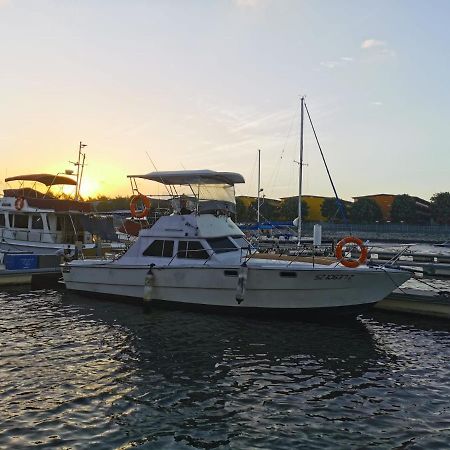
(80, 373)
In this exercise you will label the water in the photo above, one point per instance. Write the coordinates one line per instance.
(79, 373)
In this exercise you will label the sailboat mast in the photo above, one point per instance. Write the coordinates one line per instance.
(259, 189)
(300, 173)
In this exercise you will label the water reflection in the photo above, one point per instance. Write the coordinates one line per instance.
(75, 372)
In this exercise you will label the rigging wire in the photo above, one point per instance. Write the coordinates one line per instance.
(276, 170)
(338, 200)
(252, 173)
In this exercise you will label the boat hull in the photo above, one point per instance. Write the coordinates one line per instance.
(237, 288)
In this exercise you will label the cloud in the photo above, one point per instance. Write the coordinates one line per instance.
(247, 3)
(342, 61)
(4, 3)
(329, 64)
(372, 43)
(376, 50)
(377, 103)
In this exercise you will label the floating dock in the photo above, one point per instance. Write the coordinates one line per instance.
(416, 301)
(38, 278)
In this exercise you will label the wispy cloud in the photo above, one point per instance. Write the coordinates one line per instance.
(249, 3)
(376, 50)
(372, 43)
(340, 62)
(377, 103)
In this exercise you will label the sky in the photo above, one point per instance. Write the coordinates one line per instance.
(197, 84)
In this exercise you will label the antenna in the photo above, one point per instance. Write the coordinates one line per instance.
(78, 164)
(156, 170)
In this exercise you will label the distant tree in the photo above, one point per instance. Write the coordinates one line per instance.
(365, 210)
(111, 204)
(440, 207)
(404, 209)
(241, 211)
(289, 209)
(330, 210)
(267, 210)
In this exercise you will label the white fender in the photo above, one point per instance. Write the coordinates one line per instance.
(242, 283)
(148, 285)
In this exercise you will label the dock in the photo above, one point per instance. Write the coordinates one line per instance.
(37, 278)
(416, 301)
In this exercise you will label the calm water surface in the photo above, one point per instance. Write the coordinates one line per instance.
(80, 373)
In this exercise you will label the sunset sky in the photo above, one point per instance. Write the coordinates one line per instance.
(205, 84)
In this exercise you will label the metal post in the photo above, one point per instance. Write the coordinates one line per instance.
(259, 188)
(300, 174)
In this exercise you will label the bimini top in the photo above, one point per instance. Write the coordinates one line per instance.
(44, 178)
(186, 177)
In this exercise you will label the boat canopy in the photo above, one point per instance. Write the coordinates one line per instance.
(188, 177)
(44, 178)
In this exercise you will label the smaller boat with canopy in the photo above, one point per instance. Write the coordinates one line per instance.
(38, 216)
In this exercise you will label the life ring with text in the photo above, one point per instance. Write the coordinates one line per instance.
(138, 214)
(18, 204)
(348, 262)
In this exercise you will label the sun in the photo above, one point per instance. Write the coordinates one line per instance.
(89, 187)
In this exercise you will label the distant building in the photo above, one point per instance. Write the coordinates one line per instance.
(385, 201)
(247, 200)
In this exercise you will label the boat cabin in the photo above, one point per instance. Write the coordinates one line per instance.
(34, 211)
(200, 228)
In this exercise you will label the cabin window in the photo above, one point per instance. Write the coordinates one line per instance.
(59, 223)
(241, 242)
(288, 274)
(191, 250)
(159, 248)
(230, 273)
(20, 221)
(221, 245)
(2, 220)
(36, 222)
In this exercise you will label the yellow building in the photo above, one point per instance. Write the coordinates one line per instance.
(314, 203)
(385, 201)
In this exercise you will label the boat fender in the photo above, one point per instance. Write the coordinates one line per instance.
(148, 284)
(349, 262)
(18, 204)
(241, 284)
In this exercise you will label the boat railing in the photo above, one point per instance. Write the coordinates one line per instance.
(211, 252)
(29, 235)
(49, 237)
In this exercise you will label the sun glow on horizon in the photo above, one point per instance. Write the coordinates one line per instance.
(90, 188)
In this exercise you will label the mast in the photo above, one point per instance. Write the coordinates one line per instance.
(78, 164)
(300, 173)
(259, 189)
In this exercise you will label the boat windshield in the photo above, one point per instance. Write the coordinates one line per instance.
(219, 192)
(205, 198)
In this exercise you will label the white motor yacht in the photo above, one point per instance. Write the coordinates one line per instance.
(197, 256)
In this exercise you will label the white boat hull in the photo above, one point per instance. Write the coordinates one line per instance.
(264, 288)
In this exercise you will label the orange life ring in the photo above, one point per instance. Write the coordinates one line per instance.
(347, 262)
(20, 201)
(133, 206)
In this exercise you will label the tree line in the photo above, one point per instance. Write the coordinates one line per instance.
(404, 209)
